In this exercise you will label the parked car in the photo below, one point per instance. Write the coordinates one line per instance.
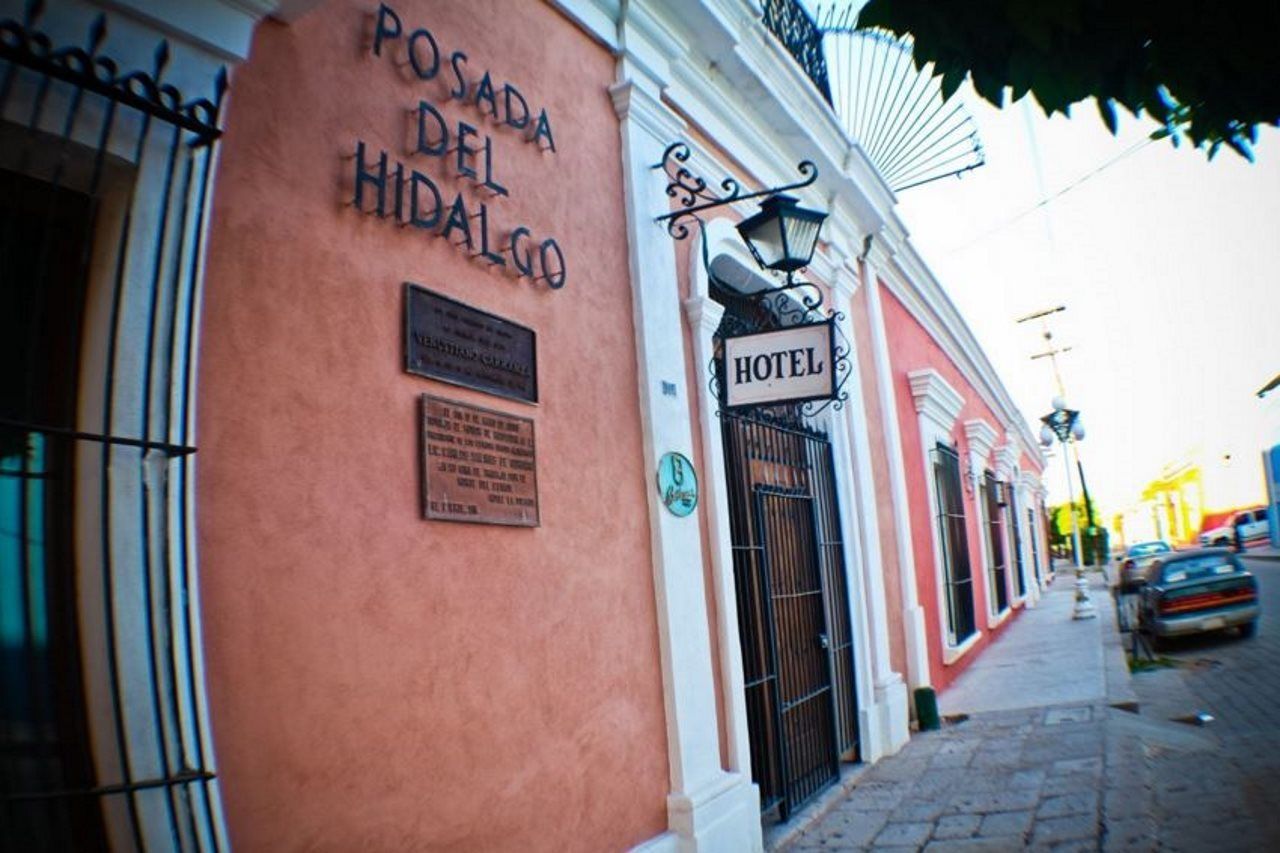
(1135, 561)
(1253, 524)
(1190, 592)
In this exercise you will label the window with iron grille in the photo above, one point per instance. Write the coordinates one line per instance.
(1035, 542)
(953, 538)
(997, 565)
(1015, 530)
(104, 178)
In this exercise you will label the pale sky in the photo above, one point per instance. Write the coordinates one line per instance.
(1169, 266)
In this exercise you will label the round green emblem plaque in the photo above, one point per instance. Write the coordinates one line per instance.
(677, 484)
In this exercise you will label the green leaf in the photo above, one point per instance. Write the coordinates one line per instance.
(951, 82)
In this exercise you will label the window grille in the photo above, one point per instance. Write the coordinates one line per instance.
(954, 541)
(104, 740)
(998, 567)
(1035, 542)
(1019, 578)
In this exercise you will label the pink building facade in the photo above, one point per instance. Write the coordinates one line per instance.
(392, 499)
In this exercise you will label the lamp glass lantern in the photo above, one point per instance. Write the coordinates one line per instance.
(783, 235)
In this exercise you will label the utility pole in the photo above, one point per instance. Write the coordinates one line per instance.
(1051, 352)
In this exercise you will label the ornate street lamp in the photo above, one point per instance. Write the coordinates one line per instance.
(783, 235)
(1064, 424)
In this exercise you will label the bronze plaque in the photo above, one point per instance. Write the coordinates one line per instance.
(448, 340)
(477, 465)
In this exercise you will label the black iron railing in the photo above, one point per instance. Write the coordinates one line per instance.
(799, 34)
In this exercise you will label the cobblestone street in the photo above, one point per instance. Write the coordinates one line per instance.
(1222, 789)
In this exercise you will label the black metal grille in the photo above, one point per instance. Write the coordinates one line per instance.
(999, 568)
(1019, 578)
(792, 26)
(105, 174)
(954, 540)
(793, 609)
(1035, 542)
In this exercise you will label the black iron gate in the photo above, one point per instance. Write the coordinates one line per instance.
(793, 609)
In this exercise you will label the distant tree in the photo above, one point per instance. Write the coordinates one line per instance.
(1094, 544)
(1208, 72)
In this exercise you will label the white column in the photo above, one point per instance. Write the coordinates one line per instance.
(708, 808)
(703, 315)
(884, 716)
(981, 437)
(912, 612)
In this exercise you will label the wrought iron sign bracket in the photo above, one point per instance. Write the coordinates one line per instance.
(695, 197)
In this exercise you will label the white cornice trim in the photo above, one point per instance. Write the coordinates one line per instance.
(1007, 460)
(598, 18)
(981, 437)
(632, 101)
(935, 398)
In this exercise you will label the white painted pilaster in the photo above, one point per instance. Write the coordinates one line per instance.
(883, 707)
(912, 613)
(708, 808)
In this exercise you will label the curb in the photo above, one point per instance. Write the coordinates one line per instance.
(1119, 681)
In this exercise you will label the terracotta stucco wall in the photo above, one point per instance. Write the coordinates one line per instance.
(378, 681)
(912, 348)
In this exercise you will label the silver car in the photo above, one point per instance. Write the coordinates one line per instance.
(1135, 562)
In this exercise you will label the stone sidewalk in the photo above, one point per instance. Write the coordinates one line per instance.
(1042, 779)
(1032, 754)
(1047, 746)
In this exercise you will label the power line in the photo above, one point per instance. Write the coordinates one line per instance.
(1132, 149)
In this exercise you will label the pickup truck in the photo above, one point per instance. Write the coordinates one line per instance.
(1253, 524)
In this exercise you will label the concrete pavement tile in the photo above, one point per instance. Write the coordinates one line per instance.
(895, 769)
(994, 801)
(918, 810)
(996, 758)
(1080, 802)
(1072, 828)
(904, 833)
(1078, 845)
(1058, 716)
(1124, 804)
(1059, 785)
(1077, 765)
(976, 845)
(852, 828)
(1033, 778)
(1005, 824)
(953, 747)
(1131, 835)
(957, 826)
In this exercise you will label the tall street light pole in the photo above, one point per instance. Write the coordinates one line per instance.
(1064, 425)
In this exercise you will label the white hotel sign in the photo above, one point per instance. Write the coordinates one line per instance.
(786, 366)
